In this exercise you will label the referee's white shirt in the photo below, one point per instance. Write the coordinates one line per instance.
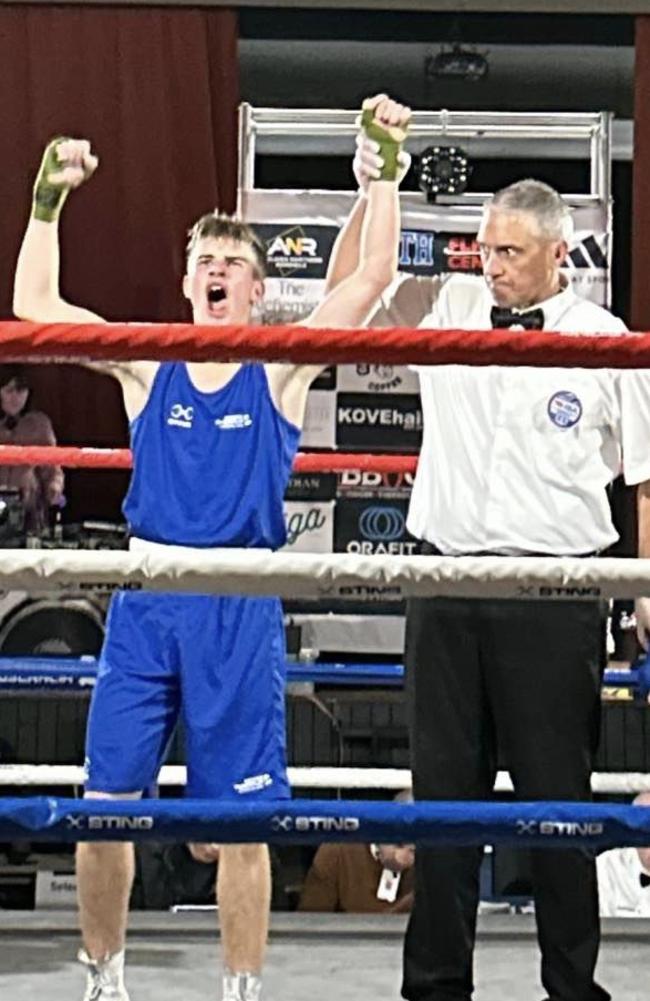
(517, 460)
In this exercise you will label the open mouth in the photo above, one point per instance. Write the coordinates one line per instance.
(216, 294)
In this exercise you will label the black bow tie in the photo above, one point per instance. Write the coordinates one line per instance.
(502, 317)
(643, 879)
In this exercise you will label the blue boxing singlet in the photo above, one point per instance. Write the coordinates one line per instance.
(210, 469)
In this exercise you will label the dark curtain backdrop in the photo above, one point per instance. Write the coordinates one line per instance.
(156, 91)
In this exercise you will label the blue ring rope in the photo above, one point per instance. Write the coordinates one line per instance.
(557, 824)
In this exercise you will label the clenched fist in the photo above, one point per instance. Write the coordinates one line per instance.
(66, 164)
(379, 156)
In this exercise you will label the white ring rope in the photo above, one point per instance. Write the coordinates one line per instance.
(306, 575)
(323, 576)
(391, 779)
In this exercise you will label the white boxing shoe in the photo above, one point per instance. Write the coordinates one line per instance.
(105, 977)
(241, 987)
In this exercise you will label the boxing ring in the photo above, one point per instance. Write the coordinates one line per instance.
(62, 819)
(319, 575)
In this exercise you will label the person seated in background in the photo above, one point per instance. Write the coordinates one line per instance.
(171, 875)
(360, 879)
(39, 487)
(624, 878)
(167, 875)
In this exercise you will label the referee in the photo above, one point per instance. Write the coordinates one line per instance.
(514, 461)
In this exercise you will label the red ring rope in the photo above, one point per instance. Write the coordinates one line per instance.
(395, 345)
(120, 458)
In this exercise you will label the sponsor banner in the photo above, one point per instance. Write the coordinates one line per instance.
(436, 251)
(360, 483)
(299, 228)
(297, 250)
(290, 300)
(319, 427)
(311, 486)
(387, 422)
(457, 252)
(310, 526)
(417, 251)
(373, 526)
(588, 262)
(376, 379)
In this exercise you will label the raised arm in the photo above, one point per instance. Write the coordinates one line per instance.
(344, 258)
(349, 303)
(66, 164)
(367, 166)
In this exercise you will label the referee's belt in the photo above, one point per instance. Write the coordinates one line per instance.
(428, 549)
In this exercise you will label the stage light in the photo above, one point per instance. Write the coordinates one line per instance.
(443, 170)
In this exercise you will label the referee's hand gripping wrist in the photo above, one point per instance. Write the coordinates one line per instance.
(66, 164)
(368, 163)
(384, 125)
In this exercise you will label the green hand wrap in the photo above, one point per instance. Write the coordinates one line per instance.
(48, 197)
(390, 141)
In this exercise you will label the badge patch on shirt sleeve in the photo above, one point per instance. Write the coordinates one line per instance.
(564, 409)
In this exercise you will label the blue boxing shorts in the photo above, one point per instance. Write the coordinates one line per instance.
(218, 664)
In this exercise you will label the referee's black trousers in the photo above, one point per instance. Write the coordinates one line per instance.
(522, 677)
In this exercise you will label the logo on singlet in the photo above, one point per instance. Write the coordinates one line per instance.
(233, 422)
(180, 416)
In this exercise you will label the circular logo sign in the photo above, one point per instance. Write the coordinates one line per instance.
(381, 524)
(564, 409)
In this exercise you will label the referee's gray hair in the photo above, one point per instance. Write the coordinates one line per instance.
(551, 212)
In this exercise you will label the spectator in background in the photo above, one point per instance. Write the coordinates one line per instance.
(170, 874)
(624, 878)
(360, 879)
(40, 487)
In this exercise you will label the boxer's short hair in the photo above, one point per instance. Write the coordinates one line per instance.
(227, 227)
